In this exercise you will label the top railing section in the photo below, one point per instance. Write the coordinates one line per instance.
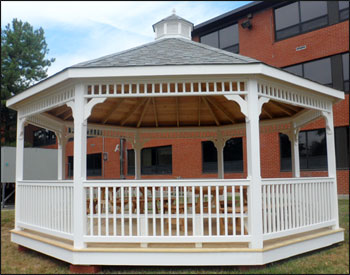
(170, 87)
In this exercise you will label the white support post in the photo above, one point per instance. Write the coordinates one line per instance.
(331, 161)
(294, 143)
(253, 163)
(61, 141)
(220, 145)
(79, 166)
(19, 164)
(137, 145)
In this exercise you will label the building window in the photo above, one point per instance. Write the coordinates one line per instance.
(233, 156)
(156, 160)
(93, 165)
(131, 162)
(312, 151)
(343, 10)
(318, 70)
(226, 39)
(43, 137)
(342, 147)
(345, 59)
(300, 17)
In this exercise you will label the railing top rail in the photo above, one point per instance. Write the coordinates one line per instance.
(45, 181)
(180, 182)
(291, 180)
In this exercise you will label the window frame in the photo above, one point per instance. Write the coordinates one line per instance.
(299, 25)
(218, 38)
(70, 161)
(225, 170)
(307, 153)
(340, 11)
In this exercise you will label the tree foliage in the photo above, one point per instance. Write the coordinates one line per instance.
(23, 63)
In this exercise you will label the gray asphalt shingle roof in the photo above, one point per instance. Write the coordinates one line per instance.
(168, 51)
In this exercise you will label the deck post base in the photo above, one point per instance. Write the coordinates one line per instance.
(90, 269)
(22, 248)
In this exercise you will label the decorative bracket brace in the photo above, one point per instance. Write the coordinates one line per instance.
(328, 117)
(22, 122)
(240, 101)
(91, 104)
(219, 141)
(292, 133)
(72, 106)
(262, 101)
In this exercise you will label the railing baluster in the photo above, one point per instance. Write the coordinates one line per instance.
(241, 208)
(154, 210)
(122, 224)
(161, 212)
(114, 198)
(277, 196)
(99, 211)
(169, 207)
(106, 211)
(177, 211)
(146, 209)
(193, 211)
(209, 211)
(225, 205)
(138, 208)
(217, 211)
(273, 195)
(185, 209)
(269, 206)
(201, 208)
(130, 206)
(91, 213)
(264, 209)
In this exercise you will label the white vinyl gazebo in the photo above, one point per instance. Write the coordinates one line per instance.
(175, 88)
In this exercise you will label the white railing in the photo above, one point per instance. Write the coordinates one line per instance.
(296, 205)
(46, 206)
(167, 211)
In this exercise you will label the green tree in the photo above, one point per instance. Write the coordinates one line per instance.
(23, 63)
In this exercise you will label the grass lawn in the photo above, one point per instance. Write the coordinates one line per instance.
(331, 260)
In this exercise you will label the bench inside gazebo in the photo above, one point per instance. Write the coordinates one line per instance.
(168, 89)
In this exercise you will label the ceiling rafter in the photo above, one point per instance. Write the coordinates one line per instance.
(177, 111)
(281, 108)
(155, 111)
(138, 105)
(221, 108)
(112, 110)
(211, 111)
(143, 112)
(69, 114)
(266, 113)
(199, 110)
(62, 111)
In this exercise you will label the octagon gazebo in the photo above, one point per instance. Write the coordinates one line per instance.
(175, 88)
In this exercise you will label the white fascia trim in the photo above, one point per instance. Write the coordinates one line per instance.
(176, 70)
(297, 80)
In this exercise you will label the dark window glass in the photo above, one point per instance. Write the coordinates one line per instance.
(343, 10)
(287, 16)
(226, 39)
(319, 70)
(228, 36)
(43, 137)
(312, 151)
(296, 69)
(131, 162)
(312, 9)
(156, 160)
(285, 152)
(211, 39)
(317, 149)
(233, 156)
(93, 165)
(210, 158)
(70, 166)
(342, 147)
(300, 17)
(345, 58)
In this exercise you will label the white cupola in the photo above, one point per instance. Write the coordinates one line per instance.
(173, 26)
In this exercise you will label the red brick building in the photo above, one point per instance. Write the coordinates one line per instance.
(310, 39)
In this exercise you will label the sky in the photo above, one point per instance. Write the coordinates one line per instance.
(78, 31)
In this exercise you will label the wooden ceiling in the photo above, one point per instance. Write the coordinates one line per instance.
(174, 111)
